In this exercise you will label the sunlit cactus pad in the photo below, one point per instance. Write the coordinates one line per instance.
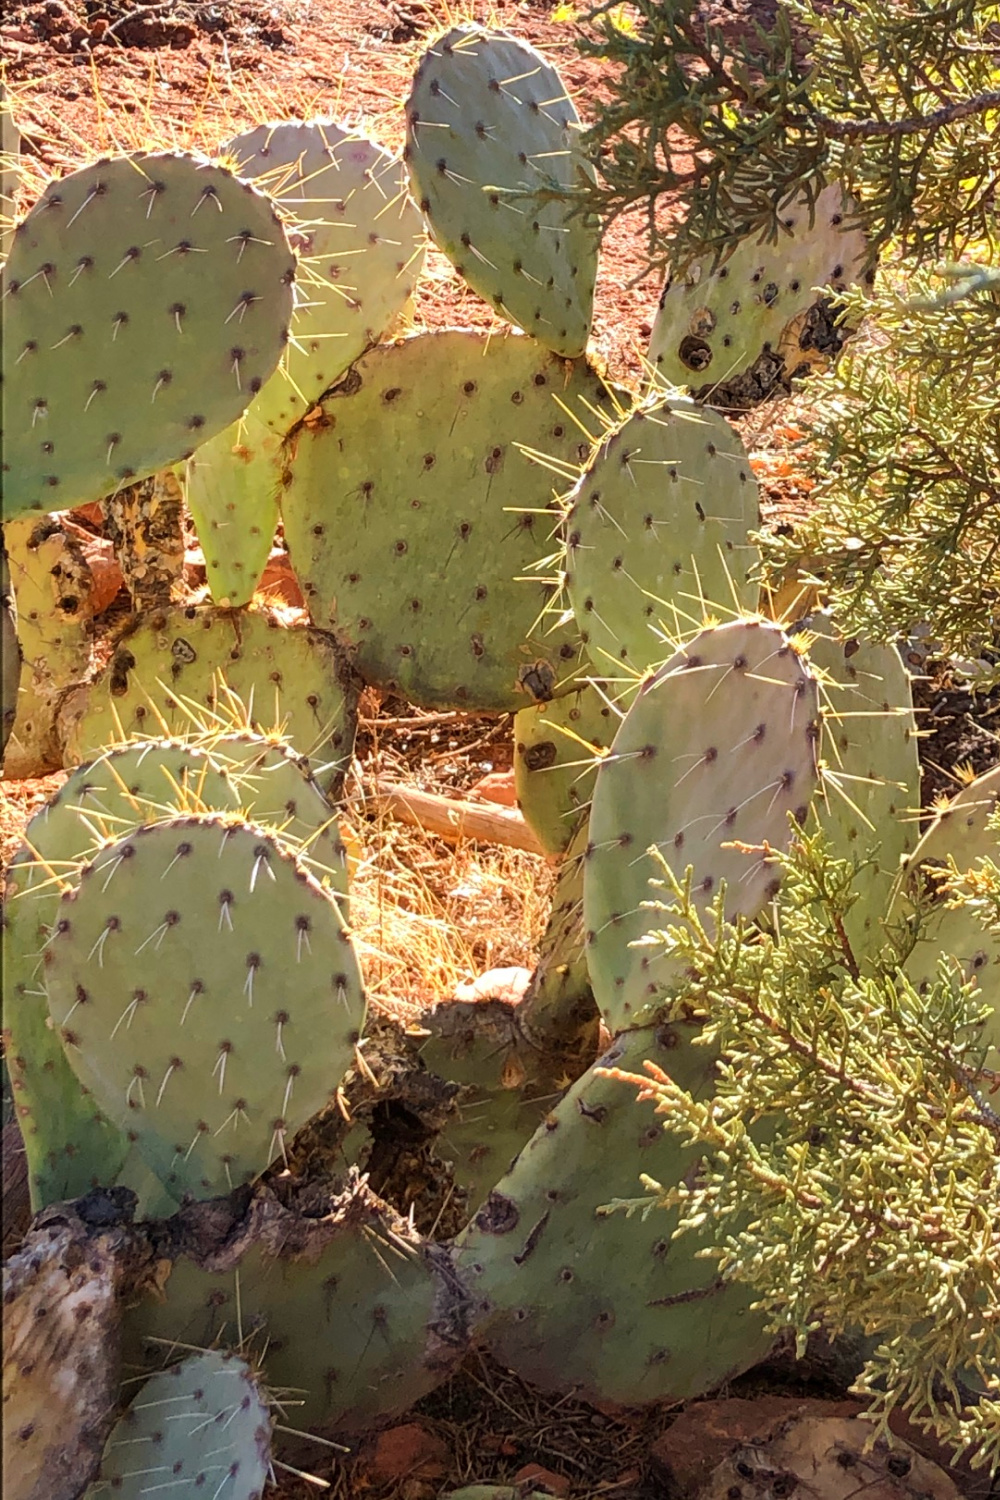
(414, 521)
(717, 750)
(175, 669)
(713, 324)
(146, 300)
(200, 1429)
(206, 990)
(577, 1300)
(556, 750)
(359, 242)
(488, 125)
(657, 538)
(869, 799)
(963, 831)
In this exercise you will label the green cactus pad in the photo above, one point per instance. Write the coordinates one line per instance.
(413, 520)
(657, 537)
(359, 241)
(869, 797)
(147, 300)
(352, 1310)
(961, 832)
(173, 667)
(200, 1429)
(489, 126)
(558, 1007)
(70, 1146)
(717, 749)
(609, 1308)
(207, 993)
(713, 324)
(10, 655)
(555, 761)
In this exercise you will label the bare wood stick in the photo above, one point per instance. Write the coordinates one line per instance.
(453, 820)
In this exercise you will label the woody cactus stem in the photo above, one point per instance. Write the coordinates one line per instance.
(145, 521)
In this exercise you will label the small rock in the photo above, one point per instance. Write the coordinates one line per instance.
(278, 581)
(407, 1452)
(497, 984)
(537, 1478)
(705, 1432)
(498, 786)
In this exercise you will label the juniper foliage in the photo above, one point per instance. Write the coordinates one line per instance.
(851, 1157)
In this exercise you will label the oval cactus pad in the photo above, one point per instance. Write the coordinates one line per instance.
(713, 323)
(207, 992)
(716, 751)
(201, 1428)
(489, 127)
(658, 535)
(197, 666)
(146, 301)
(414, 521)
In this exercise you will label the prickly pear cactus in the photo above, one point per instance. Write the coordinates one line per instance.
(70, 1146)
(717, 750)
(610, 1308)
(188, 667)
(961, 832)
(359, 245)
(10, 655)
(352, 1310)
(206, 991)
(713, 323)
(658, 534)
(556, 750)
(491, 143)
(869, 798)
(558, 1014)
(413, 520)
(51, 583)
(147, 299)
(203, 1422)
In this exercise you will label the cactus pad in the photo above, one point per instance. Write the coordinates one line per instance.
(354, 1311)
(359, 242)
(717, 750)
(961, 832)
(489, 126)
(870, 774)
(147, 299)
(207, 992)
(609, 1308)
(555, 761)
(657, 536)
(713, 324)
(199, 1429)
(558, 1008)
(175, 666)
(10, 655)
(412, 518)
(69, 1145)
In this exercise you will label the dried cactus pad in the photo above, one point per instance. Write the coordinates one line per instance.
(10, 656)
(713, 324)
(714, 754)
(608, 1307)
(176, 665)
(359, 241)
(206, 990)
(489, 126)
(658, 534)
(147, 300)
(199, 1429)
(414, 521)
(962, 831)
